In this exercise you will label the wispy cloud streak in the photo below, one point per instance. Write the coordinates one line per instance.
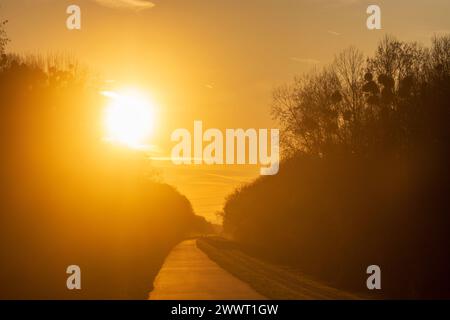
(127, 4)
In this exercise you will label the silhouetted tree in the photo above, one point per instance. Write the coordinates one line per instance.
(67, 197)
(357, 106)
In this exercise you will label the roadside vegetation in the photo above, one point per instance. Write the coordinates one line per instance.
(67, 197)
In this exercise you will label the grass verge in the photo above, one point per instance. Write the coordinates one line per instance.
(273, 281)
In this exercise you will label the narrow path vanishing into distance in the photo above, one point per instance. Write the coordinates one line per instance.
(189, 274)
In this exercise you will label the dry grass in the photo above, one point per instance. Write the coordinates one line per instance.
(273, 281)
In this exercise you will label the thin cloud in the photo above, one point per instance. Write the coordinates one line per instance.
(232, 178)
(307, 60)
(337, 3)
(127, 4)
(334, 33)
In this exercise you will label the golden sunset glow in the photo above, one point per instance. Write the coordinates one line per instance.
(255, 150)
(222, 75)
(129, 118)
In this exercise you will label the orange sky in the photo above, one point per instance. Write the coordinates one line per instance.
(210, 60)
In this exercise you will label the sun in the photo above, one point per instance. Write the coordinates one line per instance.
(129, 118)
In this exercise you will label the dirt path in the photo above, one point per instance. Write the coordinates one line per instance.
(188, 274)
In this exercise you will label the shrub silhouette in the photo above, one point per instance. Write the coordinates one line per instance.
(366, 176)
(68, 198)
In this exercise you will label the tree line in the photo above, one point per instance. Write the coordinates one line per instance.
(365, 175)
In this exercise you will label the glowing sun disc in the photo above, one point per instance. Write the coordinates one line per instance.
(128, 118)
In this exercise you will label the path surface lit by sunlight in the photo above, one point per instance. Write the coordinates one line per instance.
(188, 274)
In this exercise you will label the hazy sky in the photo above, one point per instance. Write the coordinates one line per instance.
(211, 60)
